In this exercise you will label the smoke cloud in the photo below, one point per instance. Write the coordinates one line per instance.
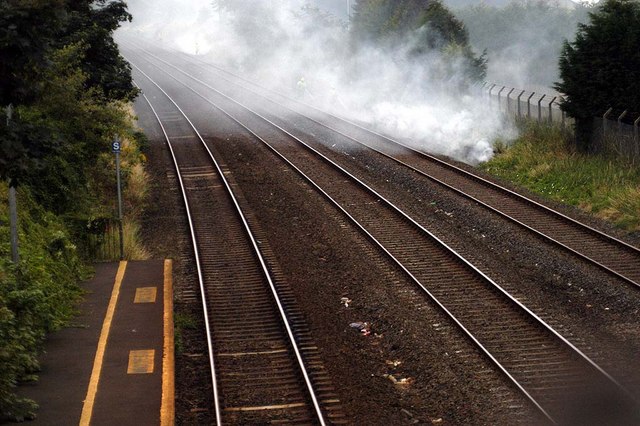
(277, 42)
(523, 39)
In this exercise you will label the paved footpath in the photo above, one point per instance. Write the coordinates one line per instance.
(114, 365)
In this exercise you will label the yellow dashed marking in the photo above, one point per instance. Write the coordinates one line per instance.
(145, 295)
(141, 361)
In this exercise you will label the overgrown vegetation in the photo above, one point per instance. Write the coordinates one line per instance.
(69, 87)
(545, 160)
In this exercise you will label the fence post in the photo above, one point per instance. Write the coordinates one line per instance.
(540, 108)
(519, 105)
(490, 90)
(636, 124)
(529, 104)
(499, 93)
(605, 116)
(509, 100)
(550, 113)
(624, 113)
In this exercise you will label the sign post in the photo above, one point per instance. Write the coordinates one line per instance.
(116, 147)
(13, 208)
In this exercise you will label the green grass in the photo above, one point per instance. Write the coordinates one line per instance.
(543, 160)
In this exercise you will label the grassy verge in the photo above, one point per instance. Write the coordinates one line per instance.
(542, 159)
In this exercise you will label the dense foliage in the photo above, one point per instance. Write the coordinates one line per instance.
(31, 36)
(601, 68)
(61, 71)
(523, 39)
(424, 25)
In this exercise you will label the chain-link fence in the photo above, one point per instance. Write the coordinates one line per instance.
(616, 132)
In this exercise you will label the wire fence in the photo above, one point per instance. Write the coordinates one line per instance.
(617, 132)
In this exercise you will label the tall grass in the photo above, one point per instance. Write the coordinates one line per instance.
(543, 160)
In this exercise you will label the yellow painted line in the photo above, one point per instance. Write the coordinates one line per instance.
(141, 361)
(267, 407)
(87, 406)
(145, 295)
(168, 406)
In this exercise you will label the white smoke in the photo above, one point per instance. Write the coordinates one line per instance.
(276, 42)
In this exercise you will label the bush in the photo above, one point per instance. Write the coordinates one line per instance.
(36, 297)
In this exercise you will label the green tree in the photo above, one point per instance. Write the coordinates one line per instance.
(91, 23)
(27, 31)
(601, 68)
(424, 25)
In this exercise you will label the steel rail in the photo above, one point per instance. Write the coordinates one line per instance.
(440, 182)
(258, 253)
(487, 279)
(194, 242)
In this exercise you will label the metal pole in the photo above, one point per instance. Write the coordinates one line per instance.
(499, 93)
(519, 105)
(120, 228)
(636, 124)
(13, 207)
(509, 100)
(605, 116)
(550, 112)
(490, 90)
(540, 108)
(624, 113)
(529, 104)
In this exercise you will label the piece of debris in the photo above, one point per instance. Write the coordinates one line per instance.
(403, 381)
(345, 301)
(436, 421)
(394, 363)
(364, 327)
(411, 416)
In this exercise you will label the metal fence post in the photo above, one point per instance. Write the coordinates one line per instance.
(540, 108)
(551, 113)
(490, 90)
(529, 104)
(605, 116)
(519, 104)
(620, 118)
(499, 93)
(509, 100)
(636, 124)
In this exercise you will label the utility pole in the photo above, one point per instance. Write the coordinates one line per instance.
(115, 147)
(13, 207)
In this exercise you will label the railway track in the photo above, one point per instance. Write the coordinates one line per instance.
(264, 365)
(539, 361)
(615, 256)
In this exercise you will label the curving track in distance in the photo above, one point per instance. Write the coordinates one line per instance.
(263, 363)
(613, 255)
(538, 360)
